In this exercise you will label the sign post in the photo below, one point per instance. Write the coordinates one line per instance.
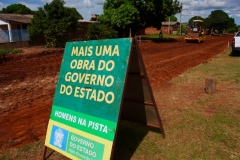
(89, 98)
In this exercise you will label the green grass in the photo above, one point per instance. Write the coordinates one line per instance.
(4, 51)
(197, 125)
(210, 123)
(155, 37)
(223, 68)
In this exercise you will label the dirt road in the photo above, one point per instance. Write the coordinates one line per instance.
(166, 60)
(28, 81)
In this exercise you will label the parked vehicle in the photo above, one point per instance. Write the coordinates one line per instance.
(236, 42)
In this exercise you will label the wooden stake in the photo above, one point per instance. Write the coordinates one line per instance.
(210, 86)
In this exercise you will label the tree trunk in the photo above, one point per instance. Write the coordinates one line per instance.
(210, 86)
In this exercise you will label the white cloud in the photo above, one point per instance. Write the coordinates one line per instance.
(227, 11)
(234, 9)
(204, 8)
(100, 2)
(79, 4)
(1, 5)
(87, 3)
(202, 4)
(237, 15)
(33, 7)
(46, 1)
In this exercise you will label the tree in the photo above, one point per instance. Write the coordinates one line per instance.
(54, 21)
(100, 31)
(17, 9)
(172, 18)
(126, 15)
(219, 20)
(232, 27)
(190, 21)
(183, 29)
(119, 15)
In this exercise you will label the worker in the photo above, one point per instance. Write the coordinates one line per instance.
(160, 34)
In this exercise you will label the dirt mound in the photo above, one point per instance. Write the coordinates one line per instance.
(27, 84)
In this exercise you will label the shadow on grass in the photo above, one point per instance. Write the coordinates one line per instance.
(235, 54)
(156, 40)
(164, 40)
(193, 41)
(129, 137)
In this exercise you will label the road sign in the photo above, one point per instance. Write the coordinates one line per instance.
(89, 97)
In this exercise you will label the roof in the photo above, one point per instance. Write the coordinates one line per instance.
(86, 21)
(169, 23)
(22, 18)
(198, 20)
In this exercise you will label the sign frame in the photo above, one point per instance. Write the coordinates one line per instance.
(123, 108)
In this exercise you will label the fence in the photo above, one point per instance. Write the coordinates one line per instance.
(13, 36)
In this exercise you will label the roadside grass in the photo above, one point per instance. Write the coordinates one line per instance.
(197, 125)
(203, 126)
(4, 51)
(155, 37)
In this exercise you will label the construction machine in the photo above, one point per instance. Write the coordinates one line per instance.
(195, 32)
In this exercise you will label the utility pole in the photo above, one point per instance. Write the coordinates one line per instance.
(181, 22)
(168, 25)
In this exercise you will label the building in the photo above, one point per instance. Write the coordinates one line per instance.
(167, 28)
(13, 27)
(170, 27)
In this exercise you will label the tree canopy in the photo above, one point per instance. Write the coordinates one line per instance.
(54, 21)
(124, 15)
(218, 19)
(100, 31)
(172, 18)
(16, 9)
(190, 21)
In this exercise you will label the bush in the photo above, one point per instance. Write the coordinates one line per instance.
(4, 51)
(183, 28)
(232, 30)
(100, 31)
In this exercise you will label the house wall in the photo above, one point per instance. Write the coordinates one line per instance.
(171, 29)
(18, 32)
(3, 27)
(165, 29)
(14, 26)
(151, 30)
(15, 44)
(4, 33)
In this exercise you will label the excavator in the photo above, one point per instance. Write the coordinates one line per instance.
(195, 33)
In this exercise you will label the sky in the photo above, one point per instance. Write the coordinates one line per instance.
(191, 8)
